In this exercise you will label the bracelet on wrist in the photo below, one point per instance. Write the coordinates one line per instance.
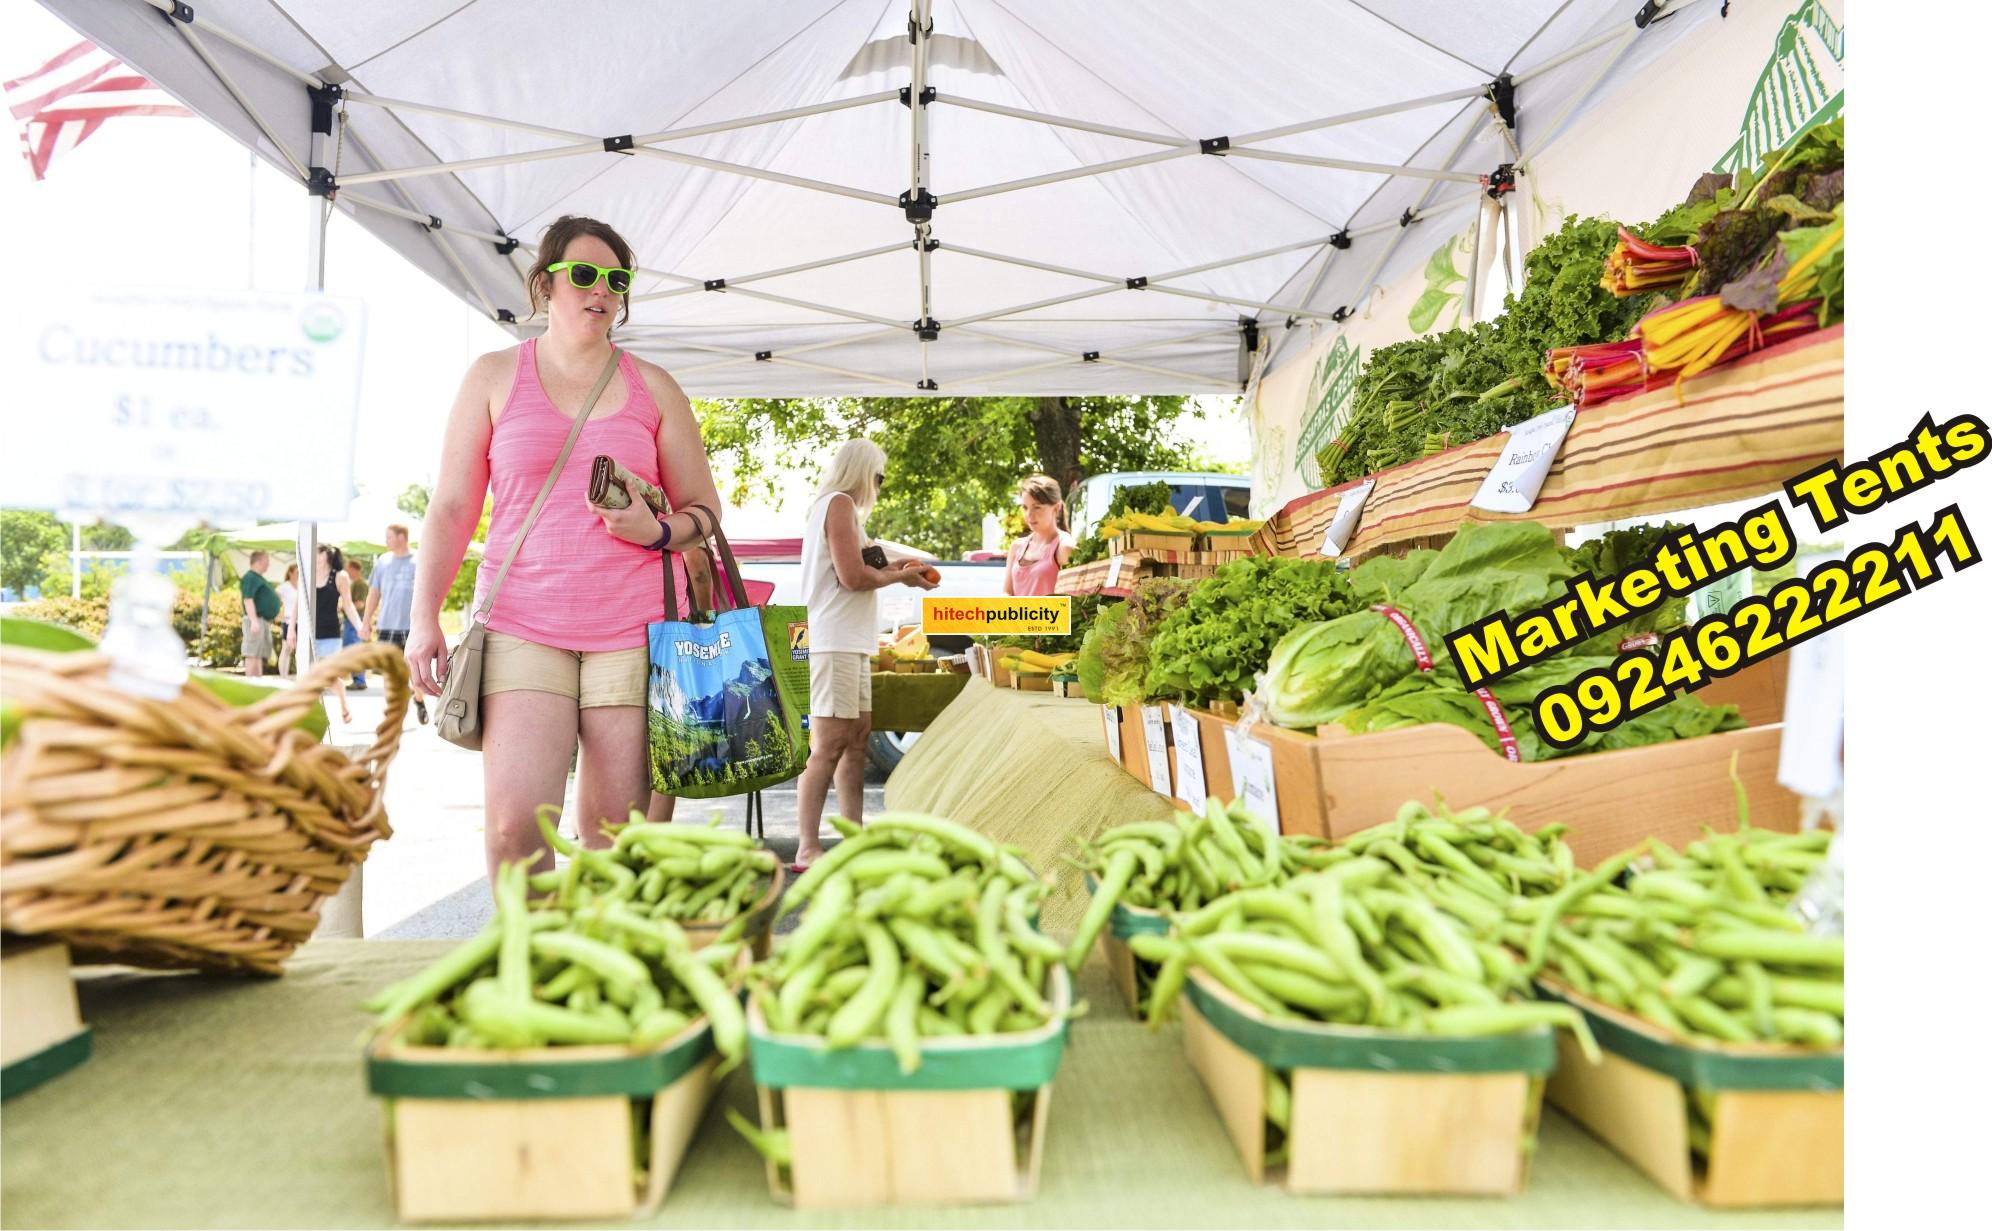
(663, 535)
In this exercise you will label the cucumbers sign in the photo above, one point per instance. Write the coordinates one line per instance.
(185, 402)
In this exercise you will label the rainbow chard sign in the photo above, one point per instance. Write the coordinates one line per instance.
(1329, 396)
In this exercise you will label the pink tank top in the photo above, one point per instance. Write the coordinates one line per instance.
(1036, 577)
(574, 586)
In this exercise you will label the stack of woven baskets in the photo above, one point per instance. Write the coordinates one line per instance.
(183, 833)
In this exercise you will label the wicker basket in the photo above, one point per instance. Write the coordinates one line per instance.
(184, 833)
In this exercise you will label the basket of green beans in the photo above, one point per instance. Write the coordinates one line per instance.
(1140, 872)
(718, 885)
(1695, 966)
(916, 966)
(607, 1023)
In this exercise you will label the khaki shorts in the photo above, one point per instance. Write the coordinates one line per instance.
(591, 677)
(840, 684)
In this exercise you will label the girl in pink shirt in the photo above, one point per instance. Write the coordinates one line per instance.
(566, 651)
(1035, 559)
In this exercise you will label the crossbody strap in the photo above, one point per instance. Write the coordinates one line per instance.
(546, 488)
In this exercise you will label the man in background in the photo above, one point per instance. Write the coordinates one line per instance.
(260, 604)
(391, 598)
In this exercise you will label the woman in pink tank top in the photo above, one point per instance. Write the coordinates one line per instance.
(566, 647)
(1035, 559)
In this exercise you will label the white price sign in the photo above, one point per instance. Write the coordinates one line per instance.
(1190, 784)
(1348, 514)
(184, 402)
(1155, 730)
(1113, 572)
(1526, 456)
(1111, 716)
(1252, 777)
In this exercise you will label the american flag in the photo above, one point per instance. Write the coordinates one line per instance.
(70, 97)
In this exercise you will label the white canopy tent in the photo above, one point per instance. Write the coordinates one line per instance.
(894, 196)
(891, 197)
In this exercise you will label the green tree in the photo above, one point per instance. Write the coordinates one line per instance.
(413, 500)
(951, 460)
(108, 536)
(26, 536)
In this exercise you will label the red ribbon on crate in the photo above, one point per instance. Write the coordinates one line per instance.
(1423, 656)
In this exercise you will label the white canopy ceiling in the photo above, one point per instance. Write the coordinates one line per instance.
(801, 215)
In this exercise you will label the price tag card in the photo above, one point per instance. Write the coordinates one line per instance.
(1518, 474)
(1190, 785)
(1113, 571)
(1809, 761)
(1348, 514)
(1155, 729)
(1110, 715)
(1252, 777)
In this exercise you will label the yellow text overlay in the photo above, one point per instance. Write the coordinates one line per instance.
(1051, 614)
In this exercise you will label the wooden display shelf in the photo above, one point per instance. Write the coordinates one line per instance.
(1735, 432)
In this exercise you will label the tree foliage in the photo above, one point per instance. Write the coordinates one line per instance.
(950, 461)
(26, 536)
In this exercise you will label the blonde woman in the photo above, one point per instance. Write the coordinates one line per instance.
(1034, 560)
(840, 590)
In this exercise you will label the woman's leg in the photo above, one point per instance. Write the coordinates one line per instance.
(615, 769)
(851, 770)
(326, 647)
(528, 745)
(828, 738)
(662, 808)
(348, 635)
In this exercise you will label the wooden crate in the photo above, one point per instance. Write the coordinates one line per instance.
(1025, 681)
(475, 1135)
(1777, 1120)
(1130, 973)
(864, 1134)
(42, 1034)
(1371, 1112)
(1611, 800)
(1152, 541)
(1069, 689)
(1216, 757)
(1297, 781)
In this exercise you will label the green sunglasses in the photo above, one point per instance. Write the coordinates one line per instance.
(582, 275)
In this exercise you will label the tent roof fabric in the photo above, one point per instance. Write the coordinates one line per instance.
(1033, 289)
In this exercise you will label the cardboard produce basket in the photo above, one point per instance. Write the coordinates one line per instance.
(1776, 1115)
(550, 1133)
(760, 920)
(1152, 540)
(968, 1126)
(1371, 1112)
(42, 1034)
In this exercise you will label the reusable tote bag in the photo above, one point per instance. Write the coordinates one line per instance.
(719, 722)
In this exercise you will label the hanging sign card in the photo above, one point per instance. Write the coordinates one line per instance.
(1518, 474)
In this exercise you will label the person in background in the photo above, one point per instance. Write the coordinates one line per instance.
(840, 591)
(1034, 561)
(332, 601)
(348, 634)
(567, 643)
(288, 592)
(260, 604)
(391, 598)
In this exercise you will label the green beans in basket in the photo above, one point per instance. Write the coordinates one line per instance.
(913, 927)
(687, 873)
(1701, 942)
(599, 974)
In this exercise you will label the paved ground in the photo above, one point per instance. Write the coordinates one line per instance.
(428, 881)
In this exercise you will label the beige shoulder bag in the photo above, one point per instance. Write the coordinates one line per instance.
(463, 679)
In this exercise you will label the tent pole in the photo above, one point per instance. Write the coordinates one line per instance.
(436, 235)
(1343, 164)
(1603, 40)
(1548, 132)
(227, 81)
(1059, 121)
(873, 336)
(234, 40)
(1021, 344)
(763, 275)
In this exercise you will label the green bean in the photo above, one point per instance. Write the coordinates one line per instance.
(902, 1027)
(1560, 902)
(1479, 1020)
(1279, 1100)
(818, 922)
(863, 1012)
(1786, 991)
(935, 1024)
(1652, 1005)
(1303, 991)
(878, 865)
(710, 993)
(623, 973)
(772, 1144)
(1447, 943)
(515, 976)
(1706, 1017)
(1449, 989)
(1776, 948)
(492, 1012)
(989, 1010)
(1017, 924)
(989, 939)
(1274, 951)
(1226, 972)
(1600, 962)
(1807, 1026)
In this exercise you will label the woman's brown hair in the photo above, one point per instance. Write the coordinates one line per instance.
(565, 230)
(1043, 489)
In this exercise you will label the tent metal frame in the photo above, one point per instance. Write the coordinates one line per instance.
(918, 203)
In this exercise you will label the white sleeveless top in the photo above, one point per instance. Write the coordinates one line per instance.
(840, 620)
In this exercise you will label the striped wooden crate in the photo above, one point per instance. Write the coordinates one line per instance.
(1735, 432)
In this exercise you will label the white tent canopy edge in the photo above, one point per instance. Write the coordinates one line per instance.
(1096, 246)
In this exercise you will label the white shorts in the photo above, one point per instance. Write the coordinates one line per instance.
(840, 684)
